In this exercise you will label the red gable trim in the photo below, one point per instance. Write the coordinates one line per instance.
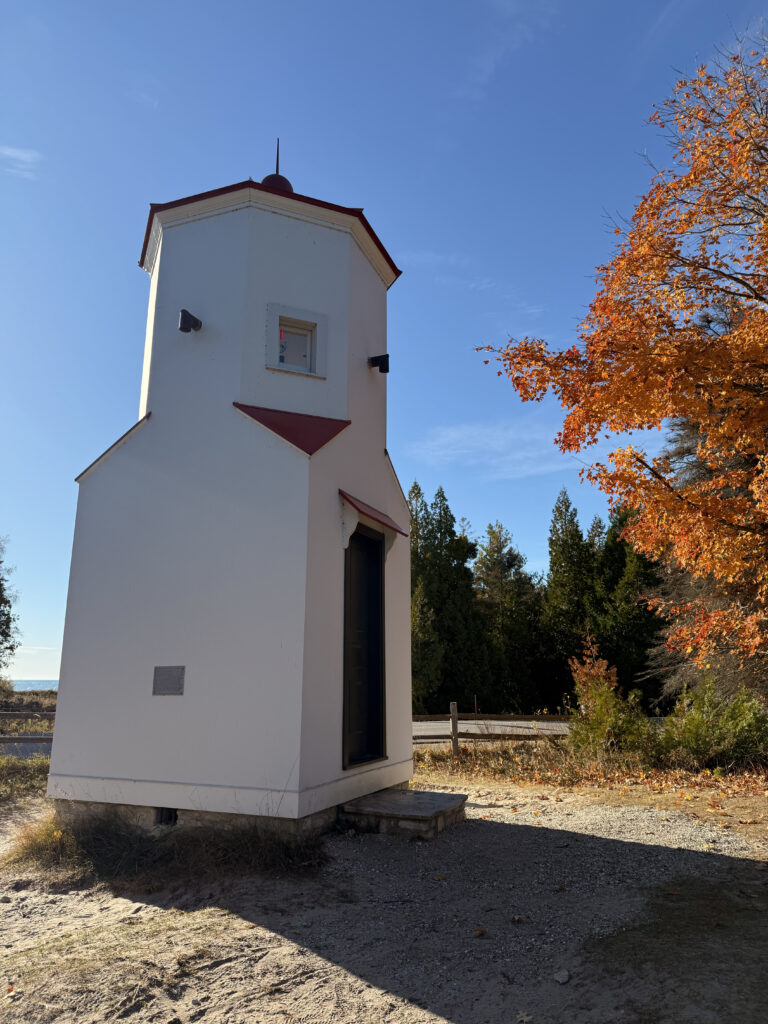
(310, 433)
(351, 211)
(372, 513)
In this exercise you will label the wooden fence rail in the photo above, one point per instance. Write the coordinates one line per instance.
(536, 728)
(493, 718)
(26, 716)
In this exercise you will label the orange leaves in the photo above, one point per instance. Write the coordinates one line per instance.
(678, 328)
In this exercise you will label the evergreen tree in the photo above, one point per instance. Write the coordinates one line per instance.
(495, 631)
(569, 598)
(439, 557)
(509, 599)
(419, 515)
(623, 625)
(426, 651)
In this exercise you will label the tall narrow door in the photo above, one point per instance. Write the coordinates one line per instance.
(364, 648)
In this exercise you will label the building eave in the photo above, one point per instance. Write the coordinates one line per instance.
(370, 512)
(255, 194)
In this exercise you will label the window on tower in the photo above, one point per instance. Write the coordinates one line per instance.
(297, 340)
(297, 344)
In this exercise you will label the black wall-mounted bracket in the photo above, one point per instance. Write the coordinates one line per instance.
(188, 322)
(381, 361)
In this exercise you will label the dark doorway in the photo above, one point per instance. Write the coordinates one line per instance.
(364, 648)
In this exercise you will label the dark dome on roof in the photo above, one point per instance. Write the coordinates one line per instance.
(277, 181)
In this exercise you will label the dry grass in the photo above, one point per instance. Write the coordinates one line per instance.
(22, 777)
(108, 850)
(560, 764)
(28, 700)
(36, 723)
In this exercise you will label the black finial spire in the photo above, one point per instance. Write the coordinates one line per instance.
(276, 180)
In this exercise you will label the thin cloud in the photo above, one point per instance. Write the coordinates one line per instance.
(145, 99)
(472, 284)
(21, 162)
(511, 451)
(450, 269)
(495, 451)
(515, 23)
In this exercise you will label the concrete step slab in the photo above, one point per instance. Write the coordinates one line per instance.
(410, 813)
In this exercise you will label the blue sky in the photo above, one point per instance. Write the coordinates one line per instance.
(490, 142)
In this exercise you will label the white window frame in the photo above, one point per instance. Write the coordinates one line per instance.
(304, 321)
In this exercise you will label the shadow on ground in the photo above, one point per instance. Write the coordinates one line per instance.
(474, 926)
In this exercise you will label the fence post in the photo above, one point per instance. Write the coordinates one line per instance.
(454, 728)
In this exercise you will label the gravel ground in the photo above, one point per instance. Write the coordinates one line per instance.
(543, 907)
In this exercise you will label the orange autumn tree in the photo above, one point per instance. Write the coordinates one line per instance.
(678, 329)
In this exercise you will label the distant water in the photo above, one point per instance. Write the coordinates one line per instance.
(35, 684)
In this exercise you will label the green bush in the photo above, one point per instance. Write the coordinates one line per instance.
(709, 731)
(6, 689)
(704, 730)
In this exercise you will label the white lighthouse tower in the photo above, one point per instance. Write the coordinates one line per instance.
(237, 633)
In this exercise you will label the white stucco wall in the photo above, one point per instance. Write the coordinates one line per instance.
(183, 556)
(227, 269)
(207, 541)
(356, 462)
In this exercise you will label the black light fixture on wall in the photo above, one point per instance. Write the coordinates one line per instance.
(188, 322)
(381, 361)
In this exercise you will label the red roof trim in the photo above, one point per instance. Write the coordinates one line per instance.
(372, 513)
(310, 433)
(106, 451)
(351, 211)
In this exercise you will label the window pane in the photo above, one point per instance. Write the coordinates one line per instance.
(294, 348)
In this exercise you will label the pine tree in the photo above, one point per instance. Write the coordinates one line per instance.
(623, 625)
(569, 597)
(439, 563)
(426, 651)
(509, 600)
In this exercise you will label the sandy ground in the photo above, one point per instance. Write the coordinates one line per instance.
(545, 906)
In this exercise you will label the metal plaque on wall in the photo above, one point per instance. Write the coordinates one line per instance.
(168, 680)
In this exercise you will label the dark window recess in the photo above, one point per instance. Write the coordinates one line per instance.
(168, 680)
(364, 738)
(166, 815)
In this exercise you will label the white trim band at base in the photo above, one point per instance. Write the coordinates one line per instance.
(228, 799)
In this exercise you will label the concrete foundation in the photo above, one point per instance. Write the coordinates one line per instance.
(393, 811)
(79, 812)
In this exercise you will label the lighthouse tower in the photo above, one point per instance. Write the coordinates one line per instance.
(237, 634)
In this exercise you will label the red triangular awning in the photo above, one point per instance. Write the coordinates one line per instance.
(309, 433)
(372, 513)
